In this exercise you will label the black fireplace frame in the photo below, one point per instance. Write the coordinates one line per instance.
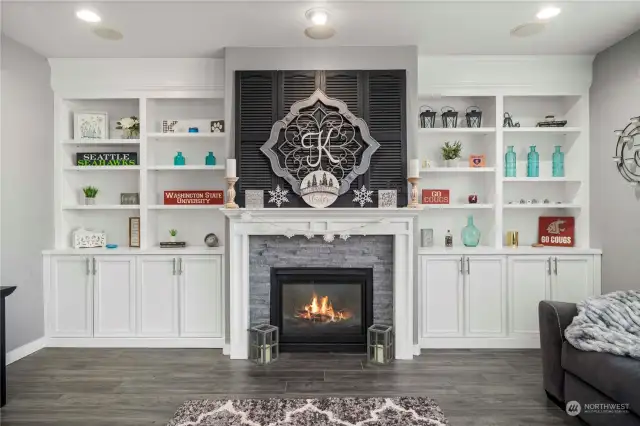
(327, 276)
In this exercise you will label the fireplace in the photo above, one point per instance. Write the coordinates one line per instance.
(322, 309)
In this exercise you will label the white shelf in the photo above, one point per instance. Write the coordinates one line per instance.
(157, 135)
(478, 130)
(100, 168)
(542, 129)
(101, 142)
(458, 170)
(456, 206)
(543, 206)
(541, 179)
(186, 207)
(185, 168)
(102, 207)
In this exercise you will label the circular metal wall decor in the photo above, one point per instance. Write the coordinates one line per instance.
(627, 153)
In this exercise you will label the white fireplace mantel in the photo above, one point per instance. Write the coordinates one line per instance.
(354, 221)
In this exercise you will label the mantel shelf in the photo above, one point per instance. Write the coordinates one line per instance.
(184, 207)
(350, 213)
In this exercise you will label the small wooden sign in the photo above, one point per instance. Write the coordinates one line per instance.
(194, 197)
(106, 159)
(556, 231)
(435, 196)
(476, 160)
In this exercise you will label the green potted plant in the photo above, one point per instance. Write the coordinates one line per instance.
(130, 127)
(90, 193)
(173, 233)
(451, 152)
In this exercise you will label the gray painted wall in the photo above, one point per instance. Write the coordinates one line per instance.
(26, 167)
(615, 209)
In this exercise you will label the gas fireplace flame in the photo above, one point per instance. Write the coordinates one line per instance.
(321, 310)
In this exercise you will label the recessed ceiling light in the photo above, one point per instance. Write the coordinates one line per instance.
(317, 16)
(88, 16)
(548, 13)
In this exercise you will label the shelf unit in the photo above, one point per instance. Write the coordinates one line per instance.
(154, 173)
(494, 215)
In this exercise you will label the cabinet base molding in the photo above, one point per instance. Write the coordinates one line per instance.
(529, 342)
(147, 342)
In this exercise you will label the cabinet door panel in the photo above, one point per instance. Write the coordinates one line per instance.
(201, 297)
(71, 297)
(441, 296)
(528, 278)
(114, 296)
(485, 292)
(572, 278)
(157, 296)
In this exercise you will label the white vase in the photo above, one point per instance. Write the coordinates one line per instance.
(172, 238)
(450, 163)
(89, 201)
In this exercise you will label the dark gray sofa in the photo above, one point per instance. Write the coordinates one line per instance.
(586, 377)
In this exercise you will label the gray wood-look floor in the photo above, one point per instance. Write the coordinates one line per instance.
(96, 387)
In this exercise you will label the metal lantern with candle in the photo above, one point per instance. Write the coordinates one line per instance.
(264, 343)
(449, 117)
(380, 344)
(427, 117)
(474, 116)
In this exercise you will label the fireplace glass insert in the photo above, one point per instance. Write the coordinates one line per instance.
(322, 309)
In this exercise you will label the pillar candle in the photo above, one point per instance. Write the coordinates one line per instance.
(231, 167)
(414, 168)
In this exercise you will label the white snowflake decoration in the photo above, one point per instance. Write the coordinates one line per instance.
(279, 196)
(362, 196)
(345, 236)
(289, 233)
(309, 235)
(328, 238)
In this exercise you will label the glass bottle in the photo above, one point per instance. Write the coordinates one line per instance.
(533, 162)
(210, 159)
(510, 162)
(470, 234)
(558, 162)
(179, 160)
(448, 239)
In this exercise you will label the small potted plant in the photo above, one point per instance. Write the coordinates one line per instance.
(90, 193)
(130, 127)
(173, 233)
(451, 152)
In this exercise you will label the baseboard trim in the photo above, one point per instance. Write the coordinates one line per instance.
(146, 342)
(532, 342)
(26, 350)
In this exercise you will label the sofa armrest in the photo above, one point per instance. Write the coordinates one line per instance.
(554, 318)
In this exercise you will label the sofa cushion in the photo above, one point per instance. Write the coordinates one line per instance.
(615, 376)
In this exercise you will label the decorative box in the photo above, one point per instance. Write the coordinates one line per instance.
(83, 238)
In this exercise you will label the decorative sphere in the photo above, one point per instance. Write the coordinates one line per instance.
(211, 240)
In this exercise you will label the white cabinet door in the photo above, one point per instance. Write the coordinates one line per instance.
(114, 296)
(71, 297)
(441, 294)
(484, 295)
(529, 280)
(572, 278)
(201, 296)
(157, 296)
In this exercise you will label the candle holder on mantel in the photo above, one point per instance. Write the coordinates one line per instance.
(413, 202)
(231, 193)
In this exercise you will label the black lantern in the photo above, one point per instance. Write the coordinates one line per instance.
(449, 117)
(427, 117)
(474, 116)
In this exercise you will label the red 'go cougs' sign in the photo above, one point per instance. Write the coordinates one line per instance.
(435, 196)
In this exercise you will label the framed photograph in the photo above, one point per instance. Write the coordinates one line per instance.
(217, 126)
(130, 198)
(134, 232)
(91, 125)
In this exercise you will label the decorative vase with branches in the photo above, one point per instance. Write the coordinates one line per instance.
(451, 152)
(90, 193)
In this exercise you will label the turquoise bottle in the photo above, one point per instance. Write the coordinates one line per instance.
(470, 234)
(533, 162)
(179, 160)
(210, 159)
(557, 159)
(510, 162)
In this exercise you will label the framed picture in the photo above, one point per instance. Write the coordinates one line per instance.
(134, 232)
(130, 198)
(476, 160)
(91, 125)
(217, 126)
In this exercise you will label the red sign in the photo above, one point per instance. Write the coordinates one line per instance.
(193, 197)
(557, 231)
(435, 196)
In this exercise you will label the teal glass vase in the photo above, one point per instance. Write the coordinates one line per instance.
(510, 162)
(210, 159)
(533, 162)
(470, 234)
(557, 159)
(179, 160)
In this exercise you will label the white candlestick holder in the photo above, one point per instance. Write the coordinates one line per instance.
(413, 202)
(231, 193)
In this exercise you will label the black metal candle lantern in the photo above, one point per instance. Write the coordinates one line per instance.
(449, 117)
(474, 116)
(427, 117)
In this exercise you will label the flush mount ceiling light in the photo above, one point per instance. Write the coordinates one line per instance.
(88, 16)
(317, 16)
(548, 13)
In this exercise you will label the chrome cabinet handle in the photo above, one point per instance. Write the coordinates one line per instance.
(468, 266)
(174, 266)
(94, 265)
(88, 266)
(549, 266)
(180, 266)
(462, 265)
(555, 265)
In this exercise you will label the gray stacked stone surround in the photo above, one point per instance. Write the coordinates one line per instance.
(273, 251)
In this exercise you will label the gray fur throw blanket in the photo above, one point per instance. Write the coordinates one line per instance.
(608, 323)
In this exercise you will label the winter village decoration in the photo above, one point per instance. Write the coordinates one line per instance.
(362, 196)
(320, 148)
(279, 196)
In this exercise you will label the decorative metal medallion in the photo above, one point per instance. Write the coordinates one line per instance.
(320, 134)
(627, 153)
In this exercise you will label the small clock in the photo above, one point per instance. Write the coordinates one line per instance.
(211, 240)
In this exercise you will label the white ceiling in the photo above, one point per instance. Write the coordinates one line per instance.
(203, 29)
